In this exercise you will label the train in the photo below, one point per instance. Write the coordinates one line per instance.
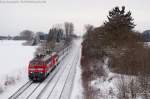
(42, 65)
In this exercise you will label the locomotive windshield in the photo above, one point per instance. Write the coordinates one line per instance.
(39, 62)
(36, 63)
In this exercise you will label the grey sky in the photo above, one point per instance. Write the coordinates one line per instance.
(40, 17)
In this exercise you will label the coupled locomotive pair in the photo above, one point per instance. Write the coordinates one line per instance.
(40, 66)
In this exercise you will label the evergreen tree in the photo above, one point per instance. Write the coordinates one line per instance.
(55, 34)
(118, 19)
(119, 27)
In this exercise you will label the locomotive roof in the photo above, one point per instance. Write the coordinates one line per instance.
(46, 57)
(42, 58)
(35, 59)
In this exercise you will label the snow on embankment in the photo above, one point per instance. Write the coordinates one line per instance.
(14, 59)
(116, 86)
(105, 85)
(77, 89)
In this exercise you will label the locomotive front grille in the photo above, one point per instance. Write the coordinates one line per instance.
(37, 76)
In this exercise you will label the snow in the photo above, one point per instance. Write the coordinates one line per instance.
(77, 90)
(14, 62)
(108, 85)
(57, 84)
(14, 55)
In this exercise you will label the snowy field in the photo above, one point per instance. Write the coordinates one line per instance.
(13, 65)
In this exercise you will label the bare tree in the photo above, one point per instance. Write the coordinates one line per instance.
(89, 28)
(66, 28)
(69, 29)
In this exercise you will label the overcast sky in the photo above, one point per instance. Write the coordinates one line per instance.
(15, 17)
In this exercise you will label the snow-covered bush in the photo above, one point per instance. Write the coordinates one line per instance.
(9, 80)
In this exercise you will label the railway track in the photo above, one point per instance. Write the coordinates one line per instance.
(21, 90)
(37, 94)
(57, 83)
(55, 86)
(66, 92)
(29, 89)
(26, 91)
(26, 94)
(67, 89)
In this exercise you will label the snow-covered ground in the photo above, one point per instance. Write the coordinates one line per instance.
(13, 73)
(111, 85)
(14, 68)
(77, 91)
(13, 65)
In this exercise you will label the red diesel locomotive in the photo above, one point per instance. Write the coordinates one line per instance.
(41, 66)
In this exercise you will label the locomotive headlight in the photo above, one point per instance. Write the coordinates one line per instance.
(31, 69)
(40, 69)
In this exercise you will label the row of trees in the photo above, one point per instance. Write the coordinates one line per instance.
(60, 32)
(116, 39)
(56, 33)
